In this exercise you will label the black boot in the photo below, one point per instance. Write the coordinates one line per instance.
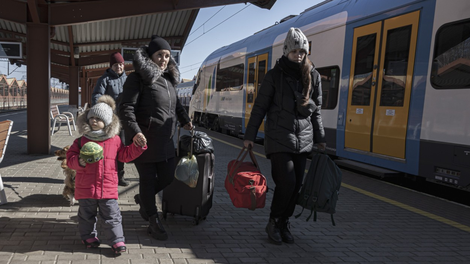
(122, 181)
(285, 233)
(142, 212)
(273, 231)
(156, 229)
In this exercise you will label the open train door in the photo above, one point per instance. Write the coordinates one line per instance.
(256, 70)
(380, 85)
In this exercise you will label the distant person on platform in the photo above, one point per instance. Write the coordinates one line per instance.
(111, 83)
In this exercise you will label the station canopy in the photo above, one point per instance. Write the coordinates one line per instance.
(85, 32)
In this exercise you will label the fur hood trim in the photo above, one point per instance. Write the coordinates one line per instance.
(111, 130)
(149, 70)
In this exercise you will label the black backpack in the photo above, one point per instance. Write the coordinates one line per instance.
(320, 189)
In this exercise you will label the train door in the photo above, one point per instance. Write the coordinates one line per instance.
(255, 72)
(380, 85)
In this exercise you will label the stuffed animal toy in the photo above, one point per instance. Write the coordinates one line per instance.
(91, 152)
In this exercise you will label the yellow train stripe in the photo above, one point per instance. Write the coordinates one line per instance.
(384, 199)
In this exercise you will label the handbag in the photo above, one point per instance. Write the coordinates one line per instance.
(201, 142)
(307, 109)
(245, 183)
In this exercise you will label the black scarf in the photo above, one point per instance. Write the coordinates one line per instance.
(293, 69)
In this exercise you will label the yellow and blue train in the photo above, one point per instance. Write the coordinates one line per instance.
(395, 80)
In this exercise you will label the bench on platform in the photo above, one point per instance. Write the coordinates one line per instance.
(59, 118)
(5, 129)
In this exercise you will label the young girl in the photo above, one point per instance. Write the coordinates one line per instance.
(294, 125)
(96, 184)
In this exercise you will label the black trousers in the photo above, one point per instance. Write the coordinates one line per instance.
(154, 177)
(287, 170)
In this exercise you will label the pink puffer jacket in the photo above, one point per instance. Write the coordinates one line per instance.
(99, 180)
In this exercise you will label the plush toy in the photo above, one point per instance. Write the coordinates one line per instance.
(91, 152)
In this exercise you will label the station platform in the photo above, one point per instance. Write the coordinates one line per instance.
(376, 222)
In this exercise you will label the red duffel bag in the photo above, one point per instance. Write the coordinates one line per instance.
(244, 182)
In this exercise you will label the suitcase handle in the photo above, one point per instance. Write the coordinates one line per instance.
(178, 141)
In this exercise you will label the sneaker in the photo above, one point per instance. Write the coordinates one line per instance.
(119, 247)
(93, 242)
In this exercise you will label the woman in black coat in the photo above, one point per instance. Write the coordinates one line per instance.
(149, 109)
(290, 97)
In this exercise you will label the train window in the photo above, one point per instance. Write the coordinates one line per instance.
(230, 78)
(363, 68)
(396, 65)
(329, 84)
(451, 60)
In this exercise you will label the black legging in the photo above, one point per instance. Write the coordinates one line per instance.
(287, 170)
(120, 165)
(153, 178)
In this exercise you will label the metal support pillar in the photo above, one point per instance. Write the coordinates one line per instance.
(73, 85)
(83, 99)
(39, 92)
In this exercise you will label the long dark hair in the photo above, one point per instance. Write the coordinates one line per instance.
(306, 67)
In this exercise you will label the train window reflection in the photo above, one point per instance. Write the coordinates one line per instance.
(229, 77)
(451, 60)
(330, 85)
(396, 64)
(362, 82)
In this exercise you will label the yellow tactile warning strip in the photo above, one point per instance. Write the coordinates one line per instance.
(409, 208)
(384, 199)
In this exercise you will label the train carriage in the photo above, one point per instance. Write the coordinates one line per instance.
(395, 81)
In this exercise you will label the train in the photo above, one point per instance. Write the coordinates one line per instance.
(184, 92)
(395, 82)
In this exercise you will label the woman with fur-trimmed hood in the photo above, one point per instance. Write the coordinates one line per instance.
(149, 111)
(96, 182)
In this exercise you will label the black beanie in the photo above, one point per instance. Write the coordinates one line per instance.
(157, 43)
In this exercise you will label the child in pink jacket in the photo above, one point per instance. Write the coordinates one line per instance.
(96, 184)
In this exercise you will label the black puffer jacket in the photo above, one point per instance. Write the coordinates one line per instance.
(285, 129)
(149, 105)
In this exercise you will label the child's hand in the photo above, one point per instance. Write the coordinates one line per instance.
(137, 144)
(140, 140)
(82, 162)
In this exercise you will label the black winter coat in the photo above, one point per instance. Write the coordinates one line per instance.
(285, 129)
(149, 105)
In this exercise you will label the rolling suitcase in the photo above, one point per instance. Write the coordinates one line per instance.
(179, 198)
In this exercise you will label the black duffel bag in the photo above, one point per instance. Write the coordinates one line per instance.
(202, 143)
